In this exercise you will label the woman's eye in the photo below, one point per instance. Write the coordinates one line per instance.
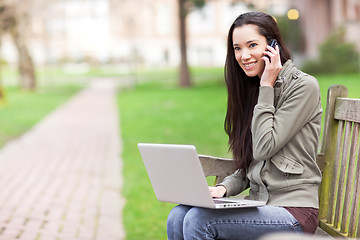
(252, 45)
(236, 48)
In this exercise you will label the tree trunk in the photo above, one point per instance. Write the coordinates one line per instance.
(26, 66)
(184, 80)
(2, 92)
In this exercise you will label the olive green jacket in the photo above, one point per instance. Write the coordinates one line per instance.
(285, 133)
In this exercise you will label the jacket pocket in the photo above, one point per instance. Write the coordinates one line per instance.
(287, 165)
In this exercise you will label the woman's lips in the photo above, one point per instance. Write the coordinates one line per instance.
(248, 66)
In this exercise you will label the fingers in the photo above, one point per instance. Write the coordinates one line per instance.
(266, 60)
(273, 50)
(272, 66)
(218, 191)
(271, 53)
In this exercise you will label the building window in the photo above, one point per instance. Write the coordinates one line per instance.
(357, 12)
(344, 8)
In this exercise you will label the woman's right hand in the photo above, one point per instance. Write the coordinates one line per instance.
(272, 68)
(218, 191)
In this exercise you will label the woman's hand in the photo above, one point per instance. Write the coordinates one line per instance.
(218, 191)
(272, 67)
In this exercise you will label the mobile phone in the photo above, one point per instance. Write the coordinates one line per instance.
(273, 44)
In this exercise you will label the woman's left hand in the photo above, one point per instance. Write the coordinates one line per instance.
(272, 67)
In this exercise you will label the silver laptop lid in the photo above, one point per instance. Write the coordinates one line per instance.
(176, 174)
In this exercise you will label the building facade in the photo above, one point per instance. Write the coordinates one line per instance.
(145, 32)
(320, 18)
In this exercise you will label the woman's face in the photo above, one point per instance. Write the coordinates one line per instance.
(249, 46)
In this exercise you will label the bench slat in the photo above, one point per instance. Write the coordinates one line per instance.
(355, 202)
(347, 109)
(331, 230)
(342, 178)
(350, 180)
(335, 175)
(328, 149)
(358, 227)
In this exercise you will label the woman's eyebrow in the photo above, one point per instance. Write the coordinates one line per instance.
(250, 41)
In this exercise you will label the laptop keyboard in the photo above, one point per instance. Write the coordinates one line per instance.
(219, 201)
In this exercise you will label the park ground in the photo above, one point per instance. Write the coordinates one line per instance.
(151, 108)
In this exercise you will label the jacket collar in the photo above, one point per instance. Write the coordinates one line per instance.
(286, 72)
(284, 78)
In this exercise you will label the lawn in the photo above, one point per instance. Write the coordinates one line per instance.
(180, 116)
(23, 109)
(157, 111)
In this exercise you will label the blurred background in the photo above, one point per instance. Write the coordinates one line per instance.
(125, 36)
(167, 56)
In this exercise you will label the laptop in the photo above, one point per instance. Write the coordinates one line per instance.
(176, 176)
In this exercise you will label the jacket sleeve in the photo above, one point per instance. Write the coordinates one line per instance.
(235, 183)
(272, 129)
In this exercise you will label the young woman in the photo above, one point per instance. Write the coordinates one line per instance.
(273, 123)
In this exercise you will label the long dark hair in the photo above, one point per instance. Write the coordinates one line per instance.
(243, 90)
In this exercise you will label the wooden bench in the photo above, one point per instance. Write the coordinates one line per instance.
(339, 161)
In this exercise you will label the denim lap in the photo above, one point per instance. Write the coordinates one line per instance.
(186, 222)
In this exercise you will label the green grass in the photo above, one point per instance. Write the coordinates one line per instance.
(351, 81)
(180, 116)
(157, 111)
(54, 75)
(23, 109)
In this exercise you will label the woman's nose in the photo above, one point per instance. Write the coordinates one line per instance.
(245, 55)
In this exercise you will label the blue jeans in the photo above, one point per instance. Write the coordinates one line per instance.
(186, 222)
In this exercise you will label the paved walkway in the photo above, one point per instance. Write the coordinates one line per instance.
(62, 179)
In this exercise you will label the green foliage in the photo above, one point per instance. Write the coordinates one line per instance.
(291, 33)
(198, 3)
(3, 62)
(191, 5)
(336, 56)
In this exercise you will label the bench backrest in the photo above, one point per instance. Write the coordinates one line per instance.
(339, 161)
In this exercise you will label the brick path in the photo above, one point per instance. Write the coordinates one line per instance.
(62, 179)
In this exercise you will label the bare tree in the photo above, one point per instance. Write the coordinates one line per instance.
(26, 65)
(6, 21)
(14, 17)
(185, 6)
(2, 92)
